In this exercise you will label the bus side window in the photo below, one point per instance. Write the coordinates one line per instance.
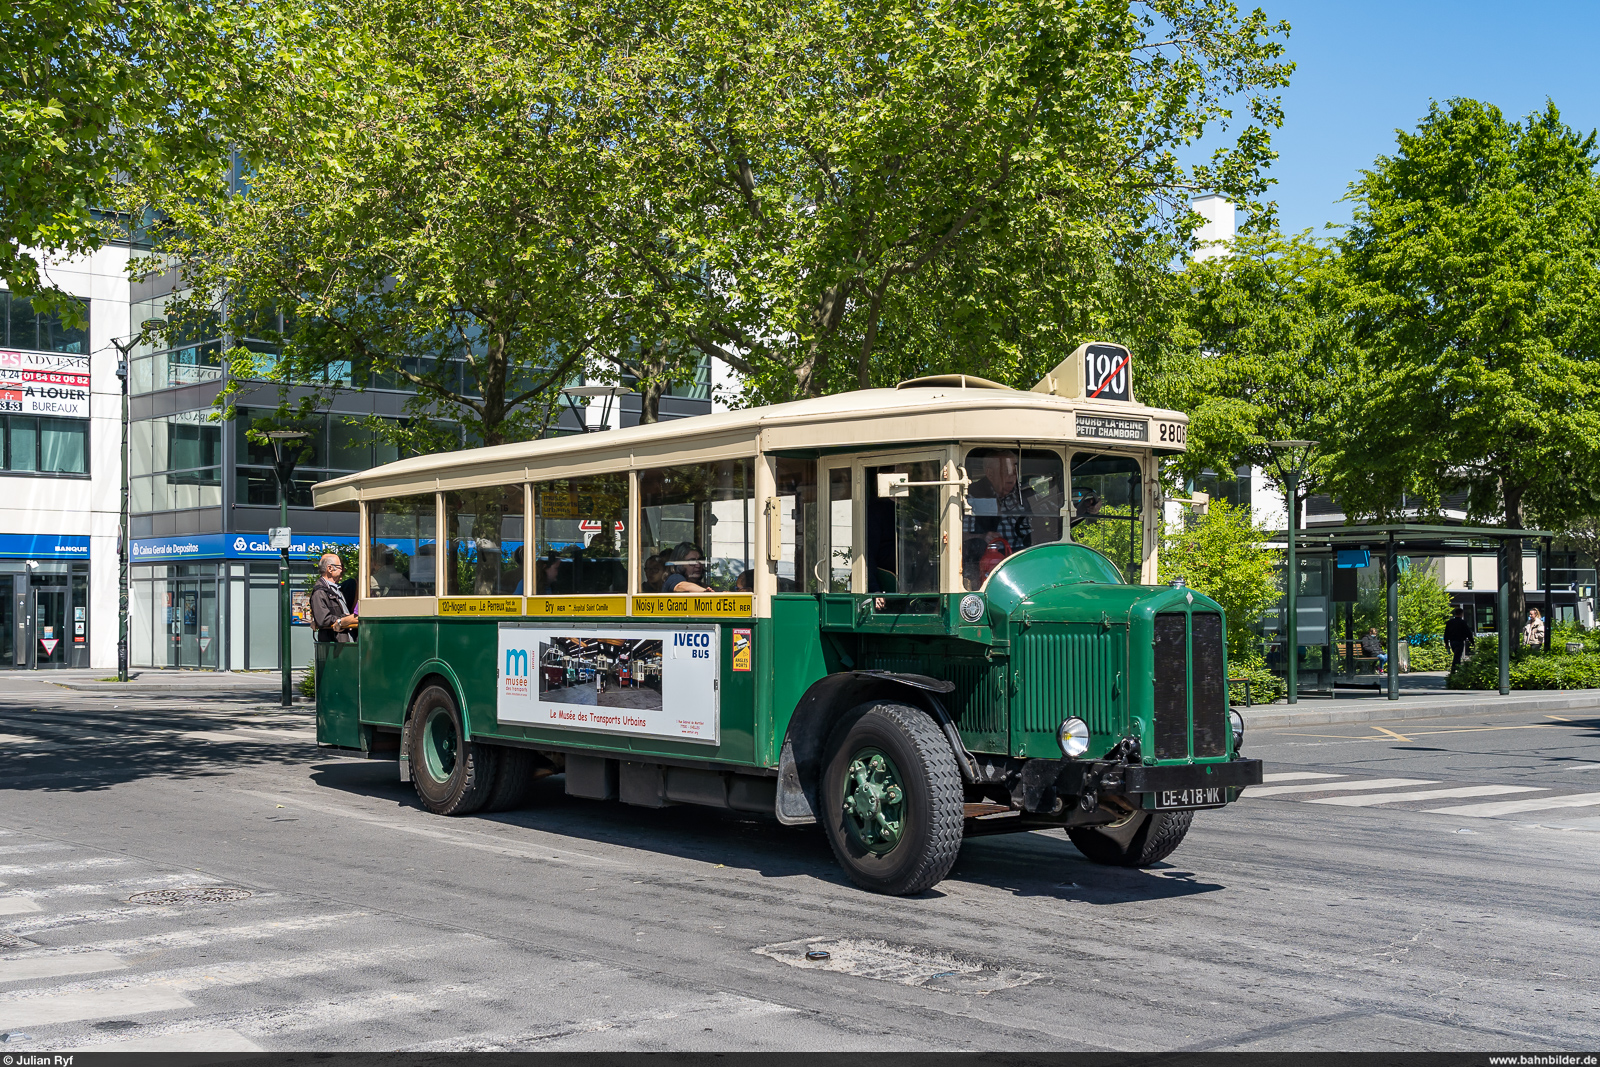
(580, 536)
(697, 527)
(403, 545)
(486, 550)
(797, 519)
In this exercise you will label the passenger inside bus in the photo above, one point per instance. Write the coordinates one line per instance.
(686, 573)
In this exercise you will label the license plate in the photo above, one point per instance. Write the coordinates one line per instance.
(1209, 797)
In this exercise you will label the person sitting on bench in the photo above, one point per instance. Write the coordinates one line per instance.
(1372, 645)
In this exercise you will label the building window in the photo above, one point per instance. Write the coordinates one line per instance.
(46, 332)
(175, 463)
(46, 446)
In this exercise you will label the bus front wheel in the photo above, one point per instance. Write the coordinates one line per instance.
(453, 776)
(1145, 839)
(892, 804)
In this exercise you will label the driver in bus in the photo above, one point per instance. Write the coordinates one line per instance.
(686, 572)
(1001, 521)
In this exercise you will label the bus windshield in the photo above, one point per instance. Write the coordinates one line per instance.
(1016, 499)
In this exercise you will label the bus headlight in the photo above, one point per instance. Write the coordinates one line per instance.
(1238, 728)
(971, 608)
(1073, 736)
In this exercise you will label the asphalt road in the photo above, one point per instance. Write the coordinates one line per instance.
(1292, 920)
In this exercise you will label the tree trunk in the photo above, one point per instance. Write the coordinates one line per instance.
(650, 401)
(1517, 605)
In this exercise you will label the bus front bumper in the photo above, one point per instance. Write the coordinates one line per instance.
(1051, 786)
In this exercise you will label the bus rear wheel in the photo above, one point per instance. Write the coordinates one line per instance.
(452, 775)
(1145, 839)
(891, 798)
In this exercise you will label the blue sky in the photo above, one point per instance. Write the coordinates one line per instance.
(1365, 68)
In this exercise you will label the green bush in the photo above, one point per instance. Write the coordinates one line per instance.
(1530, 669)
(1568, 631)
(308, 682)
(1430, 656)
(1265, 687)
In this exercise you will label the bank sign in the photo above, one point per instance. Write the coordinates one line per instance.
(44, 546)
(229, 546)
(44, 383)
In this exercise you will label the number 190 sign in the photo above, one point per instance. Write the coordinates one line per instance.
(1107, 373)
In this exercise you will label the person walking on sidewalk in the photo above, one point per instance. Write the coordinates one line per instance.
(1457, 635)
(1533, 632)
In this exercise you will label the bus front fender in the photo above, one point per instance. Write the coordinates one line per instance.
(801, 761)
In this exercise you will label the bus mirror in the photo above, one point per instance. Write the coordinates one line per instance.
(897, 486)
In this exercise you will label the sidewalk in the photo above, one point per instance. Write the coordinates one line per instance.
(1422, 696)
(266, 686)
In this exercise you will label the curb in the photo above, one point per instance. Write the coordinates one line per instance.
(1383, 710)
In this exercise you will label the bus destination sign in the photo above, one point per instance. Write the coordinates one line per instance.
(1112, 429)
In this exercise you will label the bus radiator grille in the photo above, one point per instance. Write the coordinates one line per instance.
(1069, 671)
(1211, 729)
(1171, 687)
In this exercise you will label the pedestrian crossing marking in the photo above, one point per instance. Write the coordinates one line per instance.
(1296, 776)
(15, 905)
(25, 968)
(19, 1012)
(1426, 794)
(1511, 807)
(1320, 787)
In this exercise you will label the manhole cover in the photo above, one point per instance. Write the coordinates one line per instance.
(190, 894)
(13, 941)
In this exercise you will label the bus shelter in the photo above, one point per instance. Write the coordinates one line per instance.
(1332, 547)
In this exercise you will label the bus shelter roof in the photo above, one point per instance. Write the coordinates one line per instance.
(1416, 537)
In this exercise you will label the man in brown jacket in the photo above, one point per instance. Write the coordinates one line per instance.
(329, 613)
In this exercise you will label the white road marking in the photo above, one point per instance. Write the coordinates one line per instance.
(42, 846)
(63, 865)
(1511, 807)
(212, 935)
(20, 1012)
(194, 1041)
(1427, 794)
(24, 968)
(260, 737)
(15, 905)
(17, 739)
(1323, 787)
(1297, 776)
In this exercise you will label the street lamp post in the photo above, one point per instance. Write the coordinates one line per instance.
(124, 541)
(1300, 451)
(283, 460)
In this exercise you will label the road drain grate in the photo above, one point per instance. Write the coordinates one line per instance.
(13, 941)
(190, 894)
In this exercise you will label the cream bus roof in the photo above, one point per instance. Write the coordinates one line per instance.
(917, 412)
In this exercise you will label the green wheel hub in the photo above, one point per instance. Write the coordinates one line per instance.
(874, 801)
(439, 744)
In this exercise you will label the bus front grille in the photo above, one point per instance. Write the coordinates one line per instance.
(1171, 687)
(1211, 729)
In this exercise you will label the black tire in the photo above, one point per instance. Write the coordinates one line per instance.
(929, 811)
(512, 779)
(1153, 841)
(453, 776)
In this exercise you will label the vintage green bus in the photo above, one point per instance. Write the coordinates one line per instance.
(909, 614)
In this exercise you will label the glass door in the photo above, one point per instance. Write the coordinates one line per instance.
(51, 628)
(192, 624)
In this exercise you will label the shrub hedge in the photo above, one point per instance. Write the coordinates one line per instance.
(1530, 669)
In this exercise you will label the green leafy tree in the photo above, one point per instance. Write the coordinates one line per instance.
(396, 220)
(1474, 265)
(97, 93)
(813, 190)
(1221, 554)
(1264, 355)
